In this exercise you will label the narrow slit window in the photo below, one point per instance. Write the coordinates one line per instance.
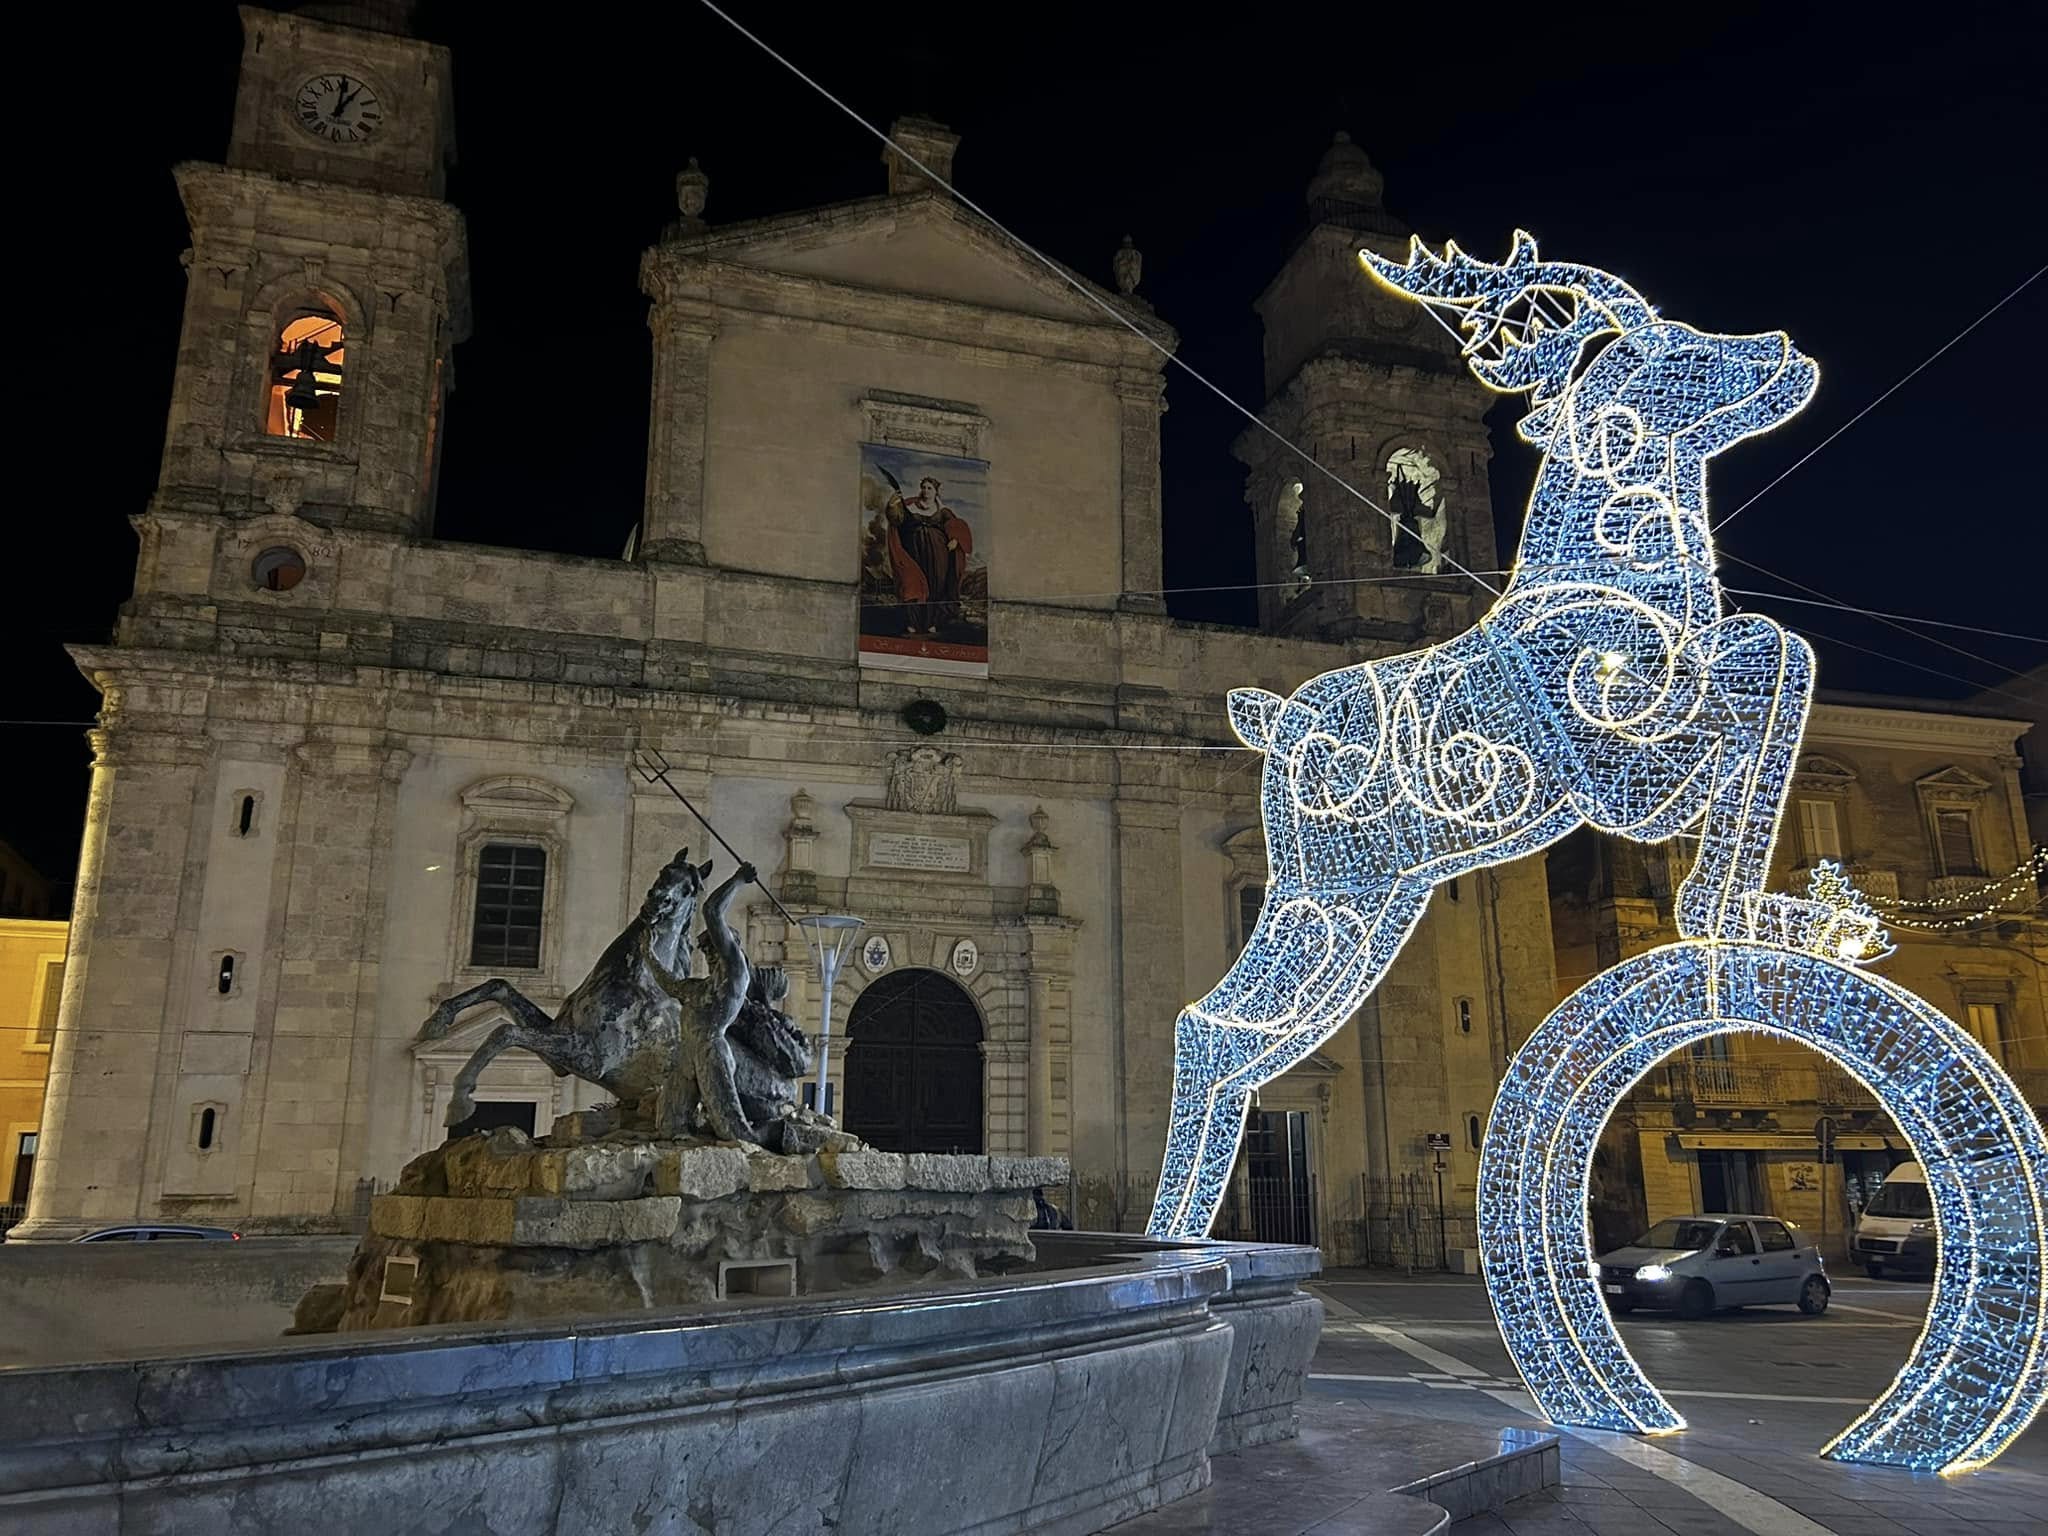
(226, 980)
(1473, 1131)
(305, 378)
(245, 821)
(1464, 1015)
(511, 879)
(206, 1123)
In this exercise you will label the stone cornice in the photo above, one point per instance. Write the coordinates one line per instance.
(1864, 725)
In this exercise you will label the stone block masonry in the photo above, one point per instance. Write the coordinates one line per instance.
(502, 1227)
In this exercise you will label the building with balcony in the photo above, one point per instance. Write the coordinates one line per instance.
(1923, 806)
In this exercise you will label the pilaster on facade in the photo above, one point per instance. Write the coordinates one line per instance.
(684, 328)
(1141, 401)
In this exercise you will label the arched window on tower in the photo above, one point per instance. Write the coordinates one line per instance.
(305, 377)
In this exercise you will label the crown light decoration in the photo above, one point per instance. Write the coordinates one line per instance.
(1608, 686)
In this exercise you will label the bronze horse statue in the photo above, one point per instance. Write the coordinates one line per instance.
(639, 1025)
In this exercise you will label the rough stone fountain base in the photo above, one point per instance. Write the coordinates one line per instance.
(504, 1228)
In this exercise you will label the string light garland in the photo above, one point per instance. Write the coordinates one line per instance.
(1610, 686)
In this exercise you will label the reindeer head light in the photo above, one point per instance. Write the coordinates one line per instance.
(1528, 323)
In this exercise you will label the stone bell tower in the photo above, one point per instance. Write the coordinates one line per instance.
(326, 281)
(1372, 388)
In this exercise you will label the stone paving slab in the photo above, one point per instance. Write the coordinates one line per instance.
(1355, 1471)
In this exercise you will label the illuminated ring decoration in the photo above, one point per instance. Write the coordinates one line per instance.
(1978, 1374)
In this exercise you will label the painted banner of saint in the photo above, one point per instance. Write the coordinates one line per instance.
(924, 561)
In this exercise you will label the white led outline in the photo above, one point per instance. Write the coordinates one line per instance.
(1384, 780)
(1920, 1421)
(1660, 712)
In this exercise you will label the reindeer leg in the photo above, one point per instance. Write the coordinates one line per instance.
(1299, 979)
(1763, 679)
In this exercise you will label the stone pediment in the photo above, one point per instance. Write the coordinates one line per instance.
(922, 245)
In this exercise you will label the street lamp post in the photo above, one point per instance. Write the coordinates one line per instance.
(828, 934)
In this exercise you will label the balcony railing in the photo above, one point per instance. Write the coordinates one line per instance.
(1761, 1085)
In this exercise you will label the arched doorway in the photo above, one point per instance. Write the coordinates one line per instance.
(913, 1065)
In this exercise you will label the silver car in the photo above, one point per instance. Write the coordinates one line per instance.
(1693, 1265)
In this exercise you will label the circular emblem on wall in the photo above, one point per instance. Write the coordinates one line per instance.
(874, 955)
(966, 958)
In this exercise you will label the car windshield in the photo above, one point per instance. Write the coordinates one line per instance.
(1675, 1233)
(1900, 1198)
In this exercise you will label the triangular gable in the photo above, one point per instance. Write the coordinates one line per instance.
(921, 245)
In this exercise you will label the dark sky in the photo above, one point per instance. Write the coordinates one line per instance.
(1867, 184)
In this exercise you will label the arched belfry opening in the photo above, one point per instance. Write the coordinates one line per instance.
(913, 1065)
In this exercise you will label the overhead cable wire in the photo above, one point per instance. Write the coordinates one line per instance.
(1880, 400)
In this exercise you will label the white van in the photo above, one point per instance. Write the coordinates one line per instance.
(1896, 1230)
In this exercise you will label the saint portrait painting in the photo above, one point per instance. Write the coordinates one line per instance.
(924, 561)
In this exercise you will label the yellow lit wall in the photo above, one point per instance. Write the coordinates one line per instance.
(31, 971)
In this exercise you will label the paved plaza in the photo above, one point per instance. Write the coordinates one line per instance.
(1762, 1391)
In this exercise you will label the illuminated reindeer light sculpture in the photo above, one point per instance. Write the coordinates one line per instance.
(1606, 687)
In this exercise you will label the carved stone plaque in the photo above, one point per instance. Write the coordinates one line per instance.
(917, 850)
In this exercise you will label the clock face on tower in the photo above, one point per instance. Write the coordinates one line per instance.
(338, 107)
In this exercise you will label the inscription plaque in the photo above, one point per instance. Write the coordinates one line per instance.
(916, 850)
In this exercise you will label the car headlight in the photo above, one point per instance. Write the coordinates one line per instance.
(1919, 1227)
(1654, 1272)
(1593, 1268)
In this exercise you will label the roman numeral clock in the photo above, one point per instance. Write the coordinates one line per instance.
(339, 107)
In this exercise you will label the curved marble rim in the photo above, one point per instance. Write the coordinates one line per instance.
(60, 1426)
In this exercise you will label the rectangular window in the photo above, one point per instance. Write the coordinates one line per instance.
(1776, 1238)
(510, 878)
(1820, 830)
(24, 1168)
(46, 1003)
(1987, 1023)
(1954, 846)
(1249, 899)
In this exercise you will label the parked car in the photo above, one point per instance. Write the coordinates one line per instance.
(1896, 1229)
(159, 1232)
(1693, 1265)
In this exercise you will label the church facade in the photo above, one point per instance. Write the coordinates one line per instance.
(892, 620)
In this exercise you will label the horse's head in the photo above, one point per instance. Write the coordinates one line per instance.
(1530, 323)
(673, 897)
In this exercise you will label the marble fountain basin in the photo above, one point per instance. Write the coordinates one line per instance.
(1063, 1398)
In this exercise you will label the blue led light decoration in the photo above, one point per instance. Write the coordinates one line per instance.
(1608, 687)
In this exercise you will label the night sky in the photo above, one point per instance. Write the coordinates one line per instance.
(1869, 185)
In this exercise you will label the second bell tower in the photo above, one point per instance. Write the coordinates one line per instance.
(1368, 386)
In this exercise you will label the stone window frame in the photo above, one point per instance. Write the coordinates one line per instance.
(196, 1116)
(527, 811)
(249, 538)
(1447, 484)
(1246, 851)
(235, 799)
(1953, 789)
(1829, 780)
(216, 959)
(269, 312)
